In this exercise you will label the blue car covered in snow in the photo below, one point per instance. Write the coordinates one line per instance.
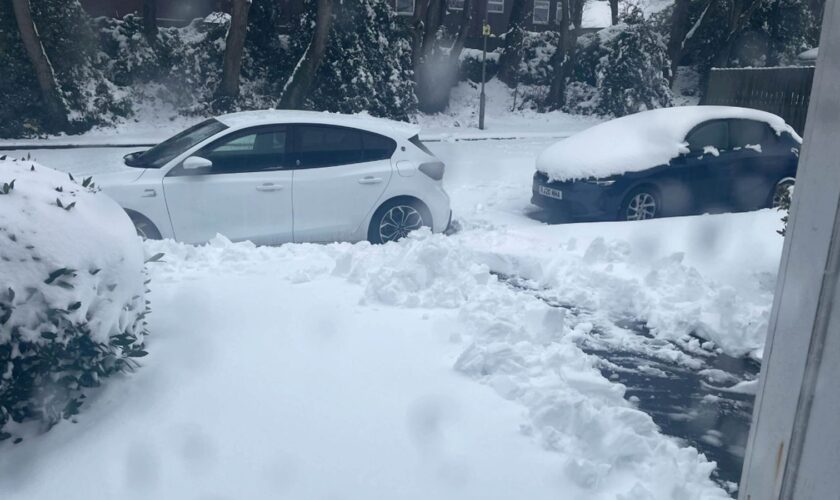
(672, 161)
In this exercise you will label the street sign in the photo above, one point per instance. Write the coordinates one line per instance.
(485, 30)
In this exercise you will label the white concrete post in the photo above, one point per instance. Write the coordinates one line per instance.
(794, 446)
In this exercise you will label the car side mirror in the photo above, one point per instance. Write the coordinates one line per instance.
(196, 162)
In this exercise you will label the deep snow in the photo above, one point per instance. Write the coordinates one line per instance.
(312, 371)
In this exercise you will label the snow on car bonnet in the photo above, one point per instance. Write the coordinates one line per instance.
(637, 142)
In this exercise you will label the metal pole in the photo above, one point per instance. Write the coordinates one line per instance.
(485, 31)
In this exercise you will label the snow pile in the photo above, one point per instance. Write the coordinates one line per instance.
(71, 278)
(640, 277)
(637, 142)
(522, 348)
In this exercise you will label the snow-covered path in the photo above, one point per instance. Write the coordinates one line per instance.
(349, 371)
(259, 388)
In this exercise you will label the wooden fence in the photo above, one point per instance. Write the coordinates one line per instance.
(782, 91)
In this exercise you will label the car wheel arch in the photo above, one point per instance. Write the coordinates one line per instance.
(643, 186)
(138, 218)
(424, 209)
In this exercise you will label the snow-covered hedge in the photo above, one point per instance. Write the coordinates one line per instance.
(72, 303)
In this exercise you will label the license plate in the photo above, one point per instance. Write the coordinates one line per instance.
(551, 193)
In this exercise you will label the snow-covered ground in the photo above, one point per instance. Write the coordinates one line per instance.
(415, 370)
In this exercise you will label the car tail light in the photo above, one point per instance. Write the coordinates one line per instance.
(433, 169)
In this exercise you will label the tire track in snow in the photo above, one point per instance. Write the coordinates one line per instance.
(682, 384)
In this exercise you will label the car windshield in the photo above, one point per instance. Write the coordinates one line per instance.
(159, 155)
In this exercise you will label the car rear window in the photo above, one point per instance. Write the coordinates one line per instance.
(326, 146)
(377, 147)
(748, 132)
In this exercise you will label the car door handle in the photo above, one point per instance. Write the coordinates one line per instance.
(370, 180)
(148, 193)
(269, 187)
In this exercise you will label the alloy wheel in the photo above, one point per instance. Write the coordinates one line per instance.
(398, 222)
(641, 206)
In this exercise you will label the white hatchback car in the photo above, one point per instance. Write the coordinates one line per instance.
(284, 176)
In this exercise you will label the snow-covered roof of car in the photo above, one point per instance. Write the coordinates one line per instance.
(639, 141)
(361, 121)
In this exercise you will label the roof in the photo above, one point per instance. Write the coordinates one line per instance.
(361, 121)
(638, 141)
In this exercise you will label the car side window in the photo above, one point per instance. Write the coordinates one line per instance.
(327, 146)
(377, 147)
(251, 150)
(750, 133)
(712, 134)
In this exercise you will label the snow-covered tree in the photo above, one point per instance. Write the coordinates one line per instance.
(621, 70)
(366, 65)
(70, 45)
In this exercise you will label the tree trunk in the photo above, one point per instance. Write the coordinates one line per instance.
(150, 27)
(434, 20)
(434, 71)
(563, 61)
(418, 25)
(463, 30)
(56, 107)
(679, 30)
(512, 53)
(234, 44)
(300, 82)
(740, 12)
(559, 61)
(614, 12)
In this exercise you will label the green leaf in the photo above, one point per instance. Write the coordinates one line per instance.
(136, 353)
(59, 273)
(155, 258)
(72, 408)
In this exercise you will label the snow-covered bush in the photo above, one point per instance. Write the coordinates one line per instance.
(619, 71)
(180, 67)
(537, 49)
(367, 65)
(70, 42)
(72, 307)
(471, 65)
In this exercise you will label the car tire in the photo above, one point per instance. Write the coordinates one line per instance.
(780, 190)
(641, 204)
(144, 227)
(396, 218)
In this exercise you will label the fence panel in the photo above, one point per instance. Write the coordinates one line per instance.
(782, 91)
